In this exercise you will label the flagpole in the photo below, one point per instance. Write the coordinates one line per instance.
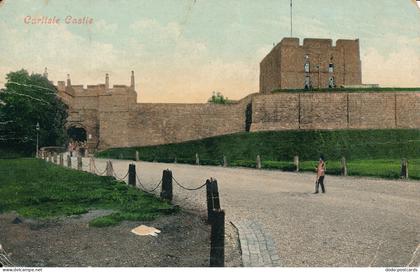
(291, 18)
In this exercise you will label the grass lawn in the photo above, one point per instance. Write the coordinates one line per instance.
(376, 153)
(38, 189)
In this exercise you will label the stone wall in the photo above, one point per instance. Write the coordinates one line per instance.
(339, 110)
(283, 67)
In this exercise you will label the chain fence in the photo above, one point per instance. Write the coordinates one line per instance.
(144, 187)
(186, 188)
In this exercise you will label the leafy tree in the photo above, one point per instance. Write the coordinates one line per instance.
(27, 100)
(218, 98)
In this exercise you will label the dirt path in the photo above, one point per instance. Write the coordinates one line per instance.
(184, 241)
(358, 222)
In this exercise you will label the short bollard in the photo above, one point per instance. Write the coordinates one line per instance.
(55, 158)
(225, 163)
(137, 156)
(197, 159)
(79, 163)
(132, 175)
(166, 192)
(109, 169)
(217, 249)
(91, 165)
(68, 161)
(404, 169)
(343, 166)
(258, 162)
(216, 199)
(209, 195)
(61, 160)
(296, 163)
(175, 160)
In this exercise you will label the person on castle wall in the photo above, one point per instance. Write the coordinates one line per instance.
(320, 175)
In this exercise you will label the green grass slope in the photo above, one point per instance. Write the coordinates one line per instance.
(368, 152)
(37, 189)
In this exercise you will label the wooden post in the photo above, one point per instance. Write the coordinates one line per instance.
(404, 169)
(209, 193)
(132, 175)
(197, 159)
(166, 192)
(137, 156)
(343, 166)
(258, 164)
(79, 163)
(68, 161)
(225, 163)
(296, 163)
(91, 163)
(217, 249)
(109, 168)
(61, 159)
(216, 199)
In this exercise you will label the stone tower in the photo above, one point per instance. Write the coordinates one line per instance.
(315, 64)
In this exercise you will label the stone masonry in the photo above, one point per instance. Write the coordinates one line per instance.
(316, 63)
(112, 117)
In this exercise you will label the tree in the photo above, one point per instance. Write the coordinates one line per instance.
(218, 98)
(26, 100)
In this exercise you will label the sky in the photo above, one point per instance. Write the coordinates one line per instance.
(183, 50)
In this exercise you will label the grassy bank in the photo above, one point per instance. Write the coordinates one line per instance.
(368, 152)
(37, 189)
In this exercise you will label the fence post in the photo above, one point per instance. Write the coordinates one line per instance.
(209, 193)
(404, 169)
(296, 163)
(225, 163)
(217, 249)
(197, 159)
(91, 162)
(132, 174)
(109, 168)
(216, 199)
(343, 166)
(137, 156)
(68, 161)
(61, 159)
(258, 162)
(166, 192)
(79, 163)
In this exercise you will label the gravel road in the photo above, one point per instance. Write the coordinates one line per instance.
(358, 222)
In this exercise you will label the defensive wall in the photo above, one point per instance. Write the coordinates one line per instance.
(112, 117)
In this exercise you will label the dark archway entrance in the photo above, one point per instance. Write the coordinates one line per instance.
(77, 134)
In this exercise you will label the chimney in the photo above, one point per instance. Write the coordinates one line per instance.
(107, 81)
(68, 80)
(132, 85)
(45, 73)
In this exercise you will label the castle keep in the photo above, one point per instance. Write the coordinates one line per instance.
(315, 64)
(111, 116)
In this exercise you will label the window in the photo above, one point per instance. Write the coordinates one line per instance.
(331, 68)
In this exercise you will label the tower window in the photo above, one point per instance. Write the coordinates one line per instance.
(331, 68)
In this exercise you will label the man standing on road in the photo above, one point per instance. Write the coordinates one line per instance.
(320, 175)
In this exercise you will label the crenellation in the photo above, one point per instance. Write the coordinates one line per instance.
(112, 117)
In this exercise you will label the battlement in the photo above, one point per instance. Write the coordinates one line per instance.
(316, 63)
